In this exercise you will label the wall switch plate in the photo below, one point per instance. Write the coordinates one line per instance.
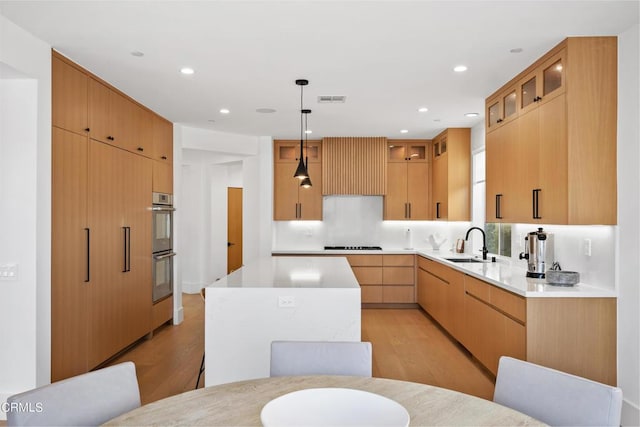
(9, 271)
(287, 301)
(587, 247)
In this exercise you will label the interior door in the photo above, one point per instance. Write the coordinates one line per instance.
(234, 229)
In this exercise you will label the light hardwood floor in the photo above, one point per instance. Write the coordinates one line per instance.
(407, 345)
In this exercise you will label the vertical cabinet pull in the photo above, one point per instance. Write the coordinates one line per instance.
(127, 249)
(409, 206)
(498, 206)
(535, 194)
(88, 236)
(437, 209)
(300, 216)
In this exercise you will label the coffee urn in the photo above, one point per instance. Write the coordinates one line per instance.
(538, 246)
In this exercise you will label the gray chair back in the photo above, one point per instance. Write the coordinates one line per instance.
(89, 399)
(554, 397)
(320, 358)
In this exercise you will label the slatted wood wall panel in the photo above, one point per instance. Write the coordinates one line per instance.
(354, 165)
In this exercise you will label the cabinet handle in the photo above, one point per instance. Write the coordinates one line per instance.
(87, 129)
(127, 249)
(498, 206)
(409, 210)
(537, 99)
(437, 209)
(140, 149)
(88, 235)
(499, 121)
(536, 203)
(110, 138)
(164, 157)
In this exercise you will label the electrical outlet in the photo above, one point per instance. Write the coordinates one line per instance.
(8, 271)
(287, 301)
(587, 247)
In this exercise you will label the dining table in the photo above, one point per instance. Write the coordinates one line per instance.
(241, 403)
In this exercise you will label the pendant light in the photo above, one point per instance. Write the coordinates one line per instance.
(301, 171)
(306, 182)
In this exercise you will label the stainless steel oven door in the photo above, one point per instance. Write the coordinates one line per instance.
(162, 275)
(162, 228)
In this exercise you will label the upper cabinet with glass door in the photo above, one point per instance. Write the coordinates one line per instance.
(409, 151)
(543, 83)
(501, 108)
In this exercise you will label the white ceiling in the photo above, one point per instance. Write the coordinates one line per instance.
(387, 57)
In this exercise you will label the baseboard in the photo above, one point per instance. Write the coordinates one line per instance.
(630, 414)
(178, 315)
(192, 288)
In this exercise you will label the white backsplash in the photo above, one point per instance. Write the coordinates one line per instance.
(357, 220)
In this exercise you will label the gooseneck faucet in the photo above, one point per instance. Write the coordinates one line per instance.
(484, 240)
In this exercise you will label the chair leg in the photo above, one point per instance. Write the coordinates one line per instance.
(201, 371)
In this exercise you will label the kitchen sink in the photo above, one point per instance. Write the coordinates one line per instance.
(463, 260)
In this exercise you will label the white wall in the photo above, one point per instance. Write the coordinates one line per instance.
(628, 248)
(211, 162)
(25, 209)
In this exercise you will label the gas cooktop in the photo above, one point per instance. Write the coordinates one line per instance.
(354, 248)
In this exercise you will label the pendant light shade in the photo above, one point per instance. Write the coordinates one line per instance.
(306, 182)
(301, 171)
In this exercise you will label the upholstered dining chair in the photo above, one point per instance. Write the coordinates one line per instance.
(89, 399)
(554, 397)
(320, 358)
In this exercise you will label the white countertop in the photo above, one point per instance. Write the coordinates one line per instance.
(501, 274)
(292, 272)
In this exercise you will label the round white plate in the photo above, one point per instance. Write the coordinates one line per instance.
(333, 407)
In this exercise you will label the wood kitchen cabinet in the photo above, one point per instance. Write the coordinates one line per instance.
(574, 335)
(70, 254)
(557, 169)
(385, 278)
(162, 136)
(501, 108)
(101, 223)
(291, 201)
(452, 175)
(69, 86)
(408, 189)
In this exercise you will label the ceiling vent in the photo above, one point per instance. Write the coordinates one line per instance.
(331, 99)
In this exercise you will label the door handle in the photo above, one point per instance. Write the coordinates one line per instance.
(498, 206)
(230, 244)
(163, 256)
(127, 249)
(536, 203)
(437, 209)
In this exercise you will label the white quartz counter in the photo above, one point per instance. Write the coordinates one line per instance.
(501, 273)
(292, 272)
(279, 298)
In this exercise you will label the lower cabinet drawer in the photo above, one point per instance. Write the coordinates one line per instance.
(368, 275)
(399, 294)
(371, 294)
(398, 276)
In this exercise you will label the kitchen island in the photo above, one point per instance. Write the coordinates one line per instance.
(276, 298)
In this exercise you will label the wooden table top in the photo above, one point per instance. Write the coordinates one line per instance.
(240, 403)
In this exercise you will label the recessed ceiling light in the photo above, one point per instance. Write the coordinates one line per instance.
(265, 110)
(460, 68)
(404, 131)
(137, 53)
(224, 111)
(423, 109)
(516, 50)
(187, 70)
(472, 115)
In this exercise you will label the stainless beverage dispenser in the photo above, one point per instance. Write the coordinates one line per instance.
(538, 246)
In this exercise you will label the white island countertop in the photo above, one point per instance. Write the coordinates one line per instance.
(292, 272)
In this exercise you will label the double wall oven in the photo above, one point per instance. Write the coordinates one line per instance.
(162, 235)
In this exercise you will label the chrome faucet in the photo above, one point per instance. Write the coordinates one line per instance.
(484, 241)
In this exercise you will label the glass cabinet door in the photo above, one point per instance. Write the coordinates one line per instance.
(509, 102)
(552, 77)
(417, 151)
(528, 92)
(397, 152)
(493, 114)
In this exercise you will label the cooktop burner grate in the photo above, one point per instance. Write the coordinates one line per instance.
(354, 248)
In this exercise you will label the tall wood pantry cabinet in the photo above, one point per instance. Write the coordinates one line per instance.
(101, 295)
(551, 138)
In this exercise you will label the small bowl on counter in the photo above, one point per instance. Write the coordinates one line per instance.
(562, 277)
